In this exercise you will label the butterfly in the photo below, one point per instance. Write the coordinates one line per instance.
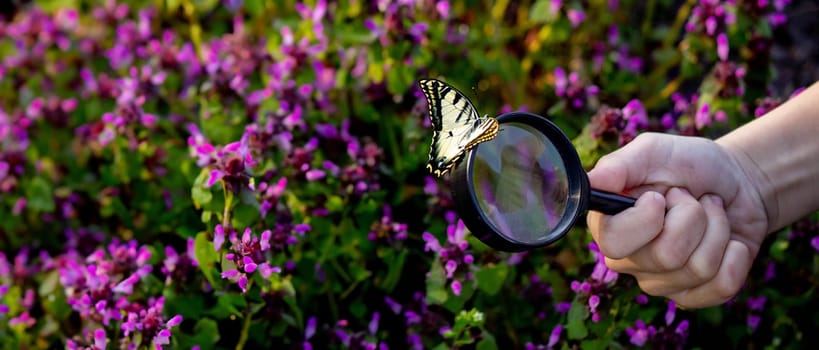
(456, 125)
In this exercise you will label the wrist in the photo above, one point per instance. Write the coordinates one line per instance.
(754, 180)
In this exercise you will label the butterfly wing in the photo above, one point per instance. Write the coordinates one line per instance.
(456, 125)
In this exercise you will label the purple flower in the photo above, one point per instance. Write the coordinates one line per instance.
(571, 89)
(722, 46)
(641, 299)
(576, 17)
(313, 175)
(218, 237)
(249, 255)
(670, 312)
(563, 307)
(709, 17)
(456, 287)
(639, 334)
(100, 341)
(390, 232)
(454, 255)
(442, 6)
(756, 303)
(554, 336)
(703, 117)
(753, 322)
(814, 242)
(231, 164)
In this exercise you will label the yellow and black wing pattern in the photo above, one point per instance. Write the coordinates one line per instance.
(456, 125)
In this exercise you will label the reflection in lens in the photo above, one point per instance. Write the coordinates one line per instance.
(520, 183)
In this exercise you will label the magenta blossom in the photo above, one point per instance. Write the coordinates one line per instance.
(249, 255)
(454, 254)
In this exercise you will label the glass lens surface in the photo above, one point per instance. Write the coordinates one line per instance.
(520, 183)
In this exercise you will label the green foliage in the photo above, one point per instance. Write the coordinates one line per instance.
(351, 246)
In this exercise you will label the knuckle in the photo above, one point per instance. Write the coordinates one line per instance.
(726, 288)
(651, 288)
(668, 259)
(703, 269)
(647, 139)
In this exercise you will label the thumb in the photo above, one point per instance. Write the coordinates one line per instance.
(628, 167)
(609, 174)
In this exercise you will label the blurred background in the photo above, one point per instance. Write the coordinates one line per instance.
(251, 174)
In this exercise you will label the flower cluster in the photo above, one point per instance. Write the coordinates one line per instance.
(180, 268)
(773, 10)
(360, 175)
(619, 125)
(367, 339)
(663, 336)
(387, 230)
(454, 254)
(595, 289)
(755, 306)
(554, 338)
(99, 289)
(421, 320)
(711, 17)
(16, 300)
(538, 294)
(572, 90)
(247, 255)
(230, 164)
(767, 104)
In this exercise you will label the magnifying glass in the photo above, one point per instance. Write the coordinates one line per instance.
(526, 187)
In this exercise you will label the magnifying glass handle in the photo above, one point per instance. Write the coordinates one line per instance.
(609, 203)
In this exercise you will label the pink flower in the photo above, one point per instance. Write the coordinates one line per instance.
(218, 237)
(722, 46)
(576, 17)
(456, 287)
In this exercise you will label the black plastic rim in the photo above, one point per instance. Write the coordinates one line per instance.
(473, 217)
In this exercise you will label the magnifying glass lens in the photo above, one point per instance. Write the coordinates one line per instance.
(520, 183)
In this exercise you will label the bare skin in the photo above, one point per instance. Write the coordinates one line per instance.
(704, 207)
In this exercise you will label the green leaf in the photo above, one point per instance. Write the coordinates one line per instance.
(596, 344)
(399, 79)
(245, 216)
(229, 305)
(436, 285)
(254, 7)
(334, 204)
(187, 305)
(40, 195)
(491, 278)
(487, 343)
(207, 332)
(54, 5)
(457, 302)
(205, 255)
(395, 266)
(540, 13)
(200, 194)
(576, 328)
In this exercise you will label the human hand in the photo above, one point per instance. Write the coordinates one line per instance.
(697, 224)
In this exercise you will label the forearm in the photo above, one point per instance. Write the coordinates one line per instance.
(780, 153)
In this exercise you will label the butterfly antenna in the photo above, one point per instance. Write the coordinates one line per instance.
(478, 99)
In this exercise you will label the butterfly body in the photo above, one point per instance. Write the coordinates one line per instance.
(456, 125)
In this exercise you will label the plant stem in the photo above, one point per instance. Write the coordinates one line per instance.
(649, 16)
(228, 203)
(245, 329)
